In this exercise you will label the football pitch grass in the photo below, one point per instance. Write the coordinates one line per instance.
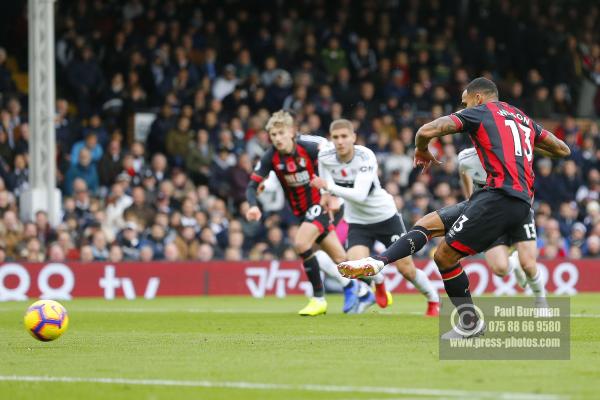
(244, 348)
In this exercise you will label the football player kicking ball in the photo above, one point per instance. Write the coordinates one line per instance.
(349, 171)
(522, 263)
(504, 138)
(294, 161)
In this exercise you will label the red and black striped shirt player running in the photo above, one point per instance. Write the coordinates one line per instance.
(294, 161)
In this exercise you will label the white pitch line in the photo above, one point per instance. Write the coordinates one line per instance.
(440, 393)
(135, 310)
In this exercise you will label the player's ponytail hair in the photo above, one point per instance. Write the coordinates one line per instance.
(281, 117)
(341, 124)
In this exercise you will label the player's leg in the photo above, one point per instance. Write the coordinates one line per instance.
(487, 216)
(356, 236)
(434, 224)
(334, 251)
(527, 255)
(456, 284)
(303, 242)
(387, 233)
(524, 259)
(501, 264)
(407, 245)
(328, 266)
(497, 259)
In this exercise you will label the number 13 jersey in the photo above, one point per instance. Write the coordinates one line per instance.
(504, 137)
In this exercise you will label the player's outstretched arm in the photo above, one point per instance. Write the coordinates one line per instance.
(549, 145)
(253, 213)
(439, 127)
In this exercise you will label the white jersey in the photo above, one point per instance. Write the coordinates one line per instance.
(357, 182)
(469, 163)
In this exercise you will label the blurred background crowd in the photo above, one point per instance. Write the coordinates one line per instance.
(212, 72)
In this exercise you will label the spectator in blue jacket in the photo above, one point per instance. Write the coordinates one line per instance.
(91, 144)
(85, 170)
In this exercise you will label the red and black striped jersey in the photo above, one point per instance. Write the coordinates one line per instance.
(294, 171)
(504, 138)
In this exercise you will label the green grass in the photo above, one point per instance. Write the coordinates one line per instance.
(224, 339)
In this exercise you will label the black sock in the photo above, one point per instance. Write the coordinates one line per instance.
(313, 272)
(456, 284)
(406, 246)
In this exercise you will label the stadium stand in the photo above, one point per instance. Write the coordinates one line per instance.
(209, 73)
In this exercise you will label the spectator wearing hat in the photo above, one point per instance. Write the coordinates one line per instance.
(577, 236)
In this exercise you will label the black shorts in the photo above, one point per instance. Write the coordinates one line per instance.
(317, 216)
(387, 232)
(450, 214)
(523, 232)
(488, 215)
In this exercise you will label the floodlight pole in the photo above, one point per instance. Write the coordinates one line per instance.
(42, 193)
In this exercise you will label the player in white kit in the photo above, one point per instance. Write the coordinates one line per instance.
(349, 171)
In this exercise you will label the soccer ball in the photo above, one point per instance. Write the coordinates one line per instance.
(46, 320)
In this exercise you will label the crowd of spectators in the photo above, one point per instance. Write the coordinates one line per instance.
(212, 72)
